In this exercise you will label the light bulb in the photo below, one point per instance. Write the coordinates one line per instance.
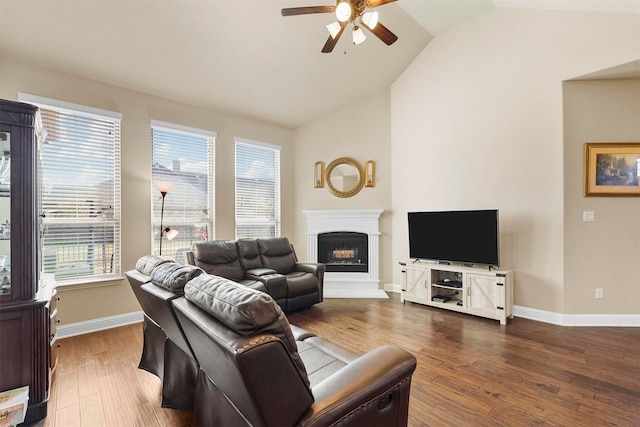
(370, 19)
(358, 35)
(343, 11)
(334, 28)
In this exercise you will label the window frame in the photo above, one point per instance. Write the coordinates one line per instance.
(86, 112)
(277, 190)
(156, 198)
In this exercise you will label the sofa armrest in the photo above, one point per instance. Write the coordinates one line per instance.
(371, 390)
(317, 269)
(310, 267)
(300, 334)
(255, 273)
(275, 283)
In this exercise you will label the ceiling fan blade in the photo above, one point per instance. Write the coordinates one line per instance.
(331, 42)
(291, 11)
(376, 3)
(383, 33)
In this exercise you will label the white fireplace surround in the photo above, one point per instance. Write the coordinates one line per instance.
(348, 284)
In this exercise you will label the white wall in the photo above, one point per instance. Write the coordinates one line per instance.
(605, 253)
(476, 122)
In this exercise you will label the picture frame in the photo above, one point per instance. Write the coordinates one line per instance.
(612, 169)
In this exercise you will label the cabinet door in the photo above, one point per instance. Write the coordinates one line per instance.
(485, 294)
(416, 284)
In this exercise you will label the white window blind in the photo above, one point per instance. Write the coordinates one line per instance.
(257, 190)
(183, 157)
(80, 191)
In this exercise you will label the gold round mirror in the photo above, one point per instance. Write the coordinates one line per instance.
(345, 177)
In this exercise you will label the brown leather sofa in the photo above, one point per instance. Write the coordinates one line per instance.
(268, 265)
(255, 369)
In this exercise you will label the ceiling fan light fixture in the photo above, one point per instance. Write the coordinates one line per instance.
(334, 28)
(358, 35)
(371, 19)
(343, 11)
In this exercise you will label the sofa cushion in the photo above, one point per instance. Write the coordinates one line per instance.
(249, 254)
(277, 253)
(218, 257)
(320, 364)
(173, 276)
(147, 263)
(244, 310)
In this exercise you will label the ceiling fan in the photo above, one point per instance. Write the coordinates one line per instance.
(349, 11)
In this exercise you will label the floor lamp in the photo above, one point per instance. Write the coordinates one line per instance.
(165, 188)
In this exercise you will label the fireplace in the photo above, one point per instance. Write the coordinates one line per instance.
(343, 251)
(346, 241)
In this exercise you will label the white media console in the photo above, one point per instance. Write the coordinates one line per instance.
(470, 290)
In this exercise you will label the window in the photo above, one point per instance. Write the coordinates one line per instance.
(79, 191)
(257, 190)
(183, 157)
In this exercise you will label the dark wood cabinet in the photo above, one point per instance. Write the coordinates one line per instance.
(26, 313)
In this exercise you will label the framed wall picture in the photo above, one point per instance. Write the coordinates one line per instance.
(612, 169)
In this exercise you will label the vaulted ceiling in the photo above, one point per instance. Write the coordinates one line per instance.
(237, 56)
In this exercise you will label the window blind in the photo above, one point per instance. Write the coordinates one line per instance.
(257, 174)
(183, 157)
(80, 192)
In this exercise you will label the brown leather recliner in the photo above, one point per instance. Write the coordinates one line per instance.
(257, 370)
(269, 265)
(156, 282)
(152, 358)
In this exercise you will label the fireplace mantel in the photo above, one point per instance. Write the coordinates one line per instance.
(348, 284)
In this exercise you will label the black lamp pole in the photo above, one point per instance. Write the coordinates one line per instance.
(164, 193)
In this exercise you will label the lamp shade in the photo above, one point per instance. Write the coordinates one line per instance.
(164, 186)
(343, 11)
(171, 233)
(371, 19)
(334, 28)
(358, 35)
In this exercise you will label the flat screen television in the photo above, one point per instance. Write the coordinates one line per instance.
(467, 237)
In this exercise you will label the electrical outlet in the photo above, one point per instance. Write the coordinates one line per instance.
(599, 293)
(588, 216)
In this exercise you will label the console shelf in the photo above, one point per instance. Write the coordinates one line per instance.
(480, 292)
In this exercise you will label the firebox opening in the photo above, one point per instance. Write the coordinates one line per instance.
(344, 251)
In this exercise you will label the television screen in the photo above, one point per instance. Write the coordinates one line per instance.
(466, 237)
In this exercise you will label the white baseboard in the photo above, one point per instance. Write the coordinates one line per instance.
(95, 325)
(617, 320)
(355, 289)
(577, 319)
(363, 293)
(393, 287)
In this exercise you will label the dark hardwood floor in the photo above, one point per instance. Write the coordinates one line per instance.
(471, 371)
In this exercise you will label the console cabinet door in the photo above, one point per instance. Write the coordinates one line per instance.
(416, 284)
(485, 295)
